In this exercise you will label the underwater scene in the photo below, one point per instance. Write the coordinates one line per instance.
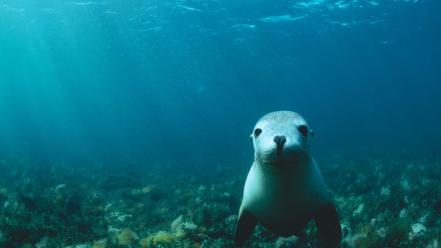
(144, 123)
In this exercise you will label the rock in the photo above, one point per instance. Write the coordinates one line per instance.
(403, 213)
(148, 189)
(43, 243)
(79, 246)
(144, 243)
(433, 244)
(175, 223)
(359, 209)
(100, 243)
(127, 237)
(418, 228)
(160, 239)
(60, 187)
(385, 191)
(283, 242)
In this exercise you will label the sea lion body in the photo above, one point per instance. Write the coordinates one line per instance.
(284, 188)
(282, 200)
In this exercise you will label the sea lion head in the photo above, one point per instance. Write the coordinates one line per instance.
(280, 137)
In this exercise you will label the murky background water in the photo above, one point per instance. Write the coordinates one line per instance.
(94, 93)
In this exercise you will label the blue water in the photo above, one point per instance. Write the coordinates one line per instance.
(184, 81)
(131, 118)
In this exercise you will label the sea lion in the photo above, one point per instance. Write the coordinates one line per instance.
(284, 188)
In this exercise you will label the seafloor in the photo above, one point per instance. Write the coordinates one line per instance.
(382, 202)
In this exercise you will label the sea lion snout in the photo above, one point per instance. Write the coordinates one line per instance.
(280, 140)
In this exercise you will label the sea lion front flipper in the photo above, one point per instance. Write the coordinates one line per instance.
(328, 225)
(244, 228)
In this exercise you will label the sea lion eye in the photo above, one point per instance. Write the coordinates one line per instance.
(303, 129)
(257, 132)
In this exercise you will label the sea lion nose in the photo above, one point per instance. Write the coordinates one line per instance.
(280, 140)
